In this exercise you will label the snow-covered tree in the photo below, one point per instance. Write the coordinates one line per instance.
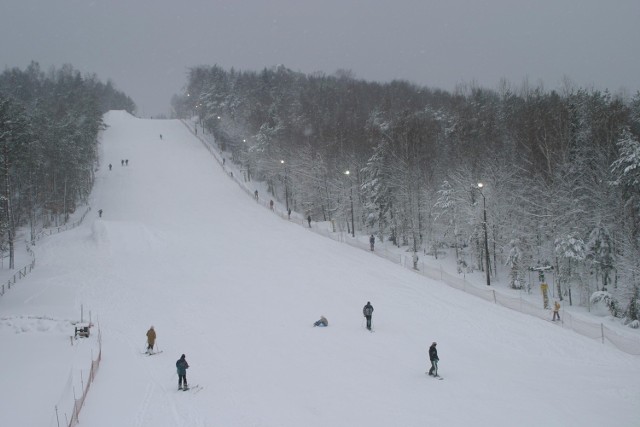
(600, 254)
(570, 252)
(517, 269)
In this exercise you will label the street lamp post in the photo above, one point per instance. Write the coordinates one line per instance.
(484, 226)
(286, 187)
(353, 230)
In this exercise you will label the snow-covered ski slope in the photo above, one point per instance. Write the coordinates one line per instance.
(237, 289)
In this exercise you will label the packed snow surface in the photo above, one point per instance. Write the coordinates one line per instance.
(236, 289)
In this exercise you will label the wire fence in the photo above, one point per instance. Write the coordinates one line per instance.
(588, 328)
(22, 272)
(59, 229)
(67, 410)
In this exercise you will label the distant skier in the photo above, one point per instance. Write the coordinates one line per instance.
(367, 310)
(415, 260)
(100, 213)
(160, 136)
(126, 162)
(151, 339)
(556, 311)
(322, 322)
(255, 194)
(182, 366)
(121, 162)
(110, 166)
(433, 357)
(372, 241)
(309, 220)
(289, 213)
(271, 204)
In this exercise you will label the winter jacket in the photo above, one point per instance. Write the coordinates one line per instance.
(182, 366)
(367, 310)
(556, 306)
(151, 337)
(433, 353)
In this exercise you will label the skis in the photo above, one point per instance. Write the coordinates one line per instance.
(152, 353)
(438, 377)
(195, 388)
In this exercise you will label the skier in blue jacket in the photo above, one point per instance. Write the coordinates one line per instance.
(182, 366)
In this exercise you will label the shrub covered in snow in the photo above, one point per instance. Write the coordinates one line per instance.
(635, 324)
(601, 303)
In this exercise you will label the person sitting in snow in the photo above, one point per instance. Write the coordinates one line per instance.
(322, 322)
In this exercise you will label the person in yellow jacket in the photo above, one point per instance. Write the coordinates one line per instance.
(556, 310)
(151, 339)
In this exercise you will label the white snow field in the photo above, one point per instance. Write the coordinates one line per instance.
(237, 289)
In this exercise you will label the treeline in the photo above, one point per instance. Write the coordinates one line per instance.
(49, 123)
(560, 171)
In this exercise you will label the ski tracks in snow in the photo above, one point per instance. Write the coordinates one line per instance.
(162, 401)
(144, 406)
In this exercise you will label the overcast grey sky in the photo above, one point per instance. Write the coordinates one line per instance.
(146, 46)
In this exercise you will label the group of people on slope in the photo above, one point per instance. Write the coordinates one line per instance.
(367, 311)
(124, 162)
(181, 364)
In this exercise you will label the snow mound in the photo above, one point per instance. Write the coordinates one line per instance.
(36, 324)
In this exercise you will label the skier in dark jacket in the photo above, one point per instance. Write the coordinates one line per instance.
(182, 366)
(367, 310)
(372, 241)
(433, 357)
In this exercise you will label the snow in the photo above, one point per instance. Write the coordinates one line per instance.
(237, 289)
